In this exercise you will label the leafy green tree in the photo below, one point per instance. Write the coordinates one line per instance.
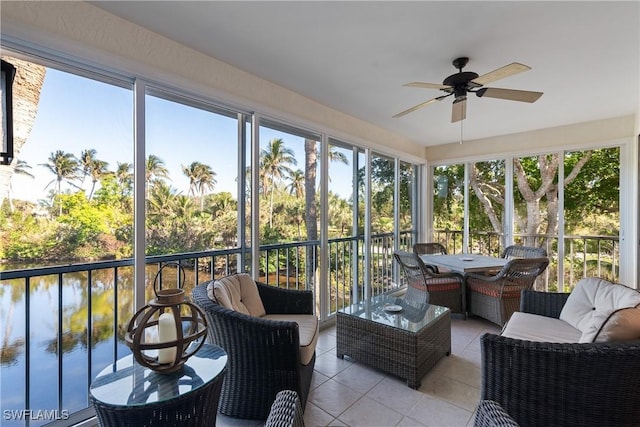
(595, 191)
(87, 220)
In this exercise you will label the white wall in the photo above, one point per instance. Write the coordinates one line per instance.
(575, 136)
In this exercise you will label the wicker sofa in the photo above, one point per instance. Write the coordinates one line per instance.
(565, 383)
(265, 352)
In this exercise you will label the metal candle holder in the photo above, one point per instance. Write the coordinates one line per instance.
(188, 320)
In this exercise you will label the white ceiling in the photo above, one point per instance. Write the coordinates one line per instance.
(354, 56)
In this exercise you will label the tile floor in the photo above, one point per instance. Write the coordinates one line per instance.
(347, 393)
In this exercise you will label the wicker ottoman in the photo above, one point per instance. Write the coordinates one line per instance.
(404, 343)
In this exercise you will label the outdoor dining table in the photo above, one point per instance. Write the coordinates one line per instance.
(465, 263)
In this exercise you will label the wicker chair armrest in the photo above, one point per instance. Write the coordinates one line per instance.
(491, 414)
(286, 411)
(483, 277)
(541, 383)
(285, 301)
(448, 275)
(548, 304)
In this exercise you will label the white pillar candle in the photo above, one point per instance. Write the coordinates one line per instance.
(166, 332)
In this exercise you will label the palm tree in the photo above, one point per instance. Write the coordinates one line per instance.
(340, 214)
(124, 177)
(274, 162)
(201, 178)
(296, 183)
(20, 169)
(87, 157)
(92, 167)
(161, 201)
(154, 169)
(221, 202)
(311, 170)
(65, 168)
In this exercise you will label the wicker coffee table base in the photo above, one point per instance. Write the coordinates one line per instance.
(405, 354)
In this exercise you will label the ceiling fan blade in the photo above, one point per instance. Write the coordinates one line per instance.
(501, 73)
(417, 107)
(510, 94)
(427, 85)
(459, 110)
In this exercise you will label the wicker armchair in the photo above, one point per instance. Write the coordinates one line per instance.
(264, 356)
(553, 384)
(496, 297)
(444, 289)
(430, 249)
(286, 411)
(518, 251)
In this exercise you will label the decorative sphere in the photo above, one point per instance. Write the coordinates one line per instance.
(190, 331)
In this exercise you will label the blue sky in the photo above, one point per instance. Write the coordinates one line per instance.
(76, 114)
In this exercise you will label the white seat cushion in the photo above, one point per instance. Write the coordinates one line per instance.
(308, 328)
(592, 303)
(237, 292)
(533, 327)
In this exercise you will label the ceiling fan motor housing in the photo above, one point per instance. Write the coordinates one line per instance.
(461, 82)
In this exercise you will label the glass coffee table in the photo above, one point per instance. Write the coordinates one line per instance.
(127, 394)
(390, 335)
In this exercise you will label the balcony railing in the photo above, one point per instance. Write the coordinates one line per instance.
(583, 255)
(63, 324)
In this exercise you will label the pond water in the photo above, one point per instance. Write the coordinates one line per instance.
(107, 307)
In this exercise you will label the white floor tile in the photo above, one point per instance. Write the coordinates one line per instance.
(433, 412)
(367, 412)
(347, 393)
(333, 397)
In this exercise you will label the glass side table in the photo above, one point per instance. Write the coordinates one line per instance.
(127, 394)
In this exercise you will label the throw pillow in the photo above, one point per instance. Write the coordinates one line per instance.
(622, 325)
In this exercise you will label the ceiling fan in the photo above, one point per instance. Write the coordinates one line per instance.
(463, 82)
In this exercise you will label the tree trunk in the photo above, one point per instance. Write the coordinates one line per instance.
(484, 200)
(311, 213)
(26, 96)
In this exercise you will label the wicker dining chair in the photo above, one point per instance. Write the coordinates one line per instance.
(443, 289)
(496, 297)
(432, 248)
(519, 251)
